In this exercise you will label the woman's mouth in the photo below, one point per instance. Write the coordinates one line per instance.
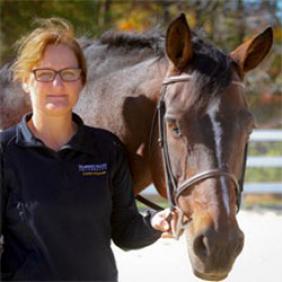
(57, 96)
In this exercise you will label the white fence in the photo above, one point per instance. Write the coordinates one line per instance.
(261, 161)
(258, 162)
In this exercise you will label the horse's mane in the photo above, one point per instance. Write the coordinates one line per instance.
(152, 40)
(211, 67)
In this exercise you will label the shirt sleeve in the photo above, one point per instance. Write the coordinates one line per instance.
(130, 230)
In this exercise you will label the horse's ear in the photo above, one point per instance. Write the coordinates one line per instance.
(249, 54)
(178, 42)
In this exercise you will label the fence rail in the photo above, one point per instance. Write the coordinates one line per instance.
(265, 161)
(271, 135)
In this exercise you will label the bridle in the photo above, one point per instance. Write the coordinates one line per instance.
(174, 191)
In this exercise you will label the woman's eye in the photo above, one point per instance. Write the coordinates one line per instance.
(68, 75)
(45, 75)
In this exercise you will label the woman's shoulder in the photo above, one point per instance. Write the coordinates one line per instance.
(7, 136)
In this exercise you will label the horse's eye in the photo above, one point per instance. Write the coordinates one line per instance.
(173, 126)
(177, 131)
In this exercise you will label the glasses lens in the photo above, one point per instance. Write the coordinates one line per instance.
(44, 75)
(70, 74)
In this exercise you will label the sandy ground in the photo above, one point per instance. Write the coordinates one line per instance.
(167, 260)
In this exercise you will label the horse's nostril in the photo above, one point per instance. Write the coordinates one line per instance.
(200, 245)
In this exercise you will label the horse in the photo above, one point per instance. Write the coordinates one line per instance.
(178, 104)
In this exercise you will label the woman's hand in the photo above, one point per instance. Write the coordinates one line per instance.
(163, 221)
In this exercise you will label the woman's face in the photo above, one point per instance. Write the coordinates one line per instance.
(55, 97)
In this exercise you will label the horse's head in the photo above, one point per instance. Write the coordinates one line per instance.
(204, 126)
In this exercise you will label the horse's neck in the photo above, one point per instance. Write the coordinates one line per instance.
(140, 131)
(140, 102)
(123, 101)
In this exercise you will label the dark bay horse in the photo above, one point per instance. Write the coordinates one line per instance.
(203, 116)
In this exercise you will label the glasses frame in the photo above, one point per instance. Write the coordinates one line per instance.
(59, 72)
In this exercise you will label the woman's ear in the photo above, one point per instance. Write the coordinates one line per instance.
(25, 87)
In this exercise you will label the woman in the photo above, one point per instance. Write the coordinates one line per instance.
(65, 187)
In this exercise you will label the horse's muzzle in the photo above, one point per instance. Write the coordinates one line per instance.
(213, 253)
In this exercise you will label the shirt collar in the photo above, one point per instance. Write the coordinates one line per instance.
(78, 142)
(24, 134)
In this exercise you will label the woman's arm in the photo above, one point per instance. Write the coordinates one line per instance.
(130, 230)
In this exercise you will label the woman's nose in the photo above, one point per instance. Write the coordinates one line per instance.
(57, 80)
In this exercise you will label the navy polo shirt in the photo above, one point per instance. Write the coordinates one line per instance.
(61, 209)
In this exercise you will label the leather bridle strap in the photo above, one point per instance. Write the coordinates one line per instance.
(169, 179)
(178, 78)
(148, 203)
(212, 173)
(171, 186)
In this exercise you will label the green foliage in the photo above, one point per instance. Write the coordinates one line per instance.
(17, 18)
(263, 175)
(270, 149)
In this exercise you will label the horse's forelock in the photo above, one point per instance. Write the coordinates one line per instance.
(211, 62)
(212, 72)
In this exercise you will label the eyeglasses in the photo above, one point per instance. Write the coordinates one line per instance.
(47, 75)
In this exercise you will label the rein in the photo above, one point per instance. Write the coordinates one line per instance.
(174, 191)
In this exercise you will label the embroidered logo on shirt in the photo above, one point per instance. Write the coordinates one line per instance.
(93, 169)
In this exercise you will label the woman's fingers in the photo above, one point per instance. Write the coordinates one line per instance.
(160, 220)
(166, 221)
(167, 235)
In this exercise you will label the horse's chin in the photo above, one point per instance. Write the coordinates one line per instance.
(206, 271)
(210, 277)
(209, 271)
